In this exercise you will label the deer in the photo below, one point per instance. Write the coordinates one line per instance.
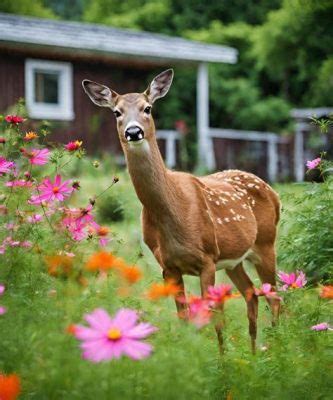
(195, 225)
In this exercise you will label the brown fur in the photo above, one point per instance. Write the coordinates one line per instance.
(191, 223)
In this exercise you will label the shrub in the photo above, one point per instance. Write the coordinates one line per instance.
(308, 242)
(110, 209)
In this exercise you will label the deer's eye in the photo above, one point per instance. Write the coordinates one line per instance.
(147, 110)
(117, 113)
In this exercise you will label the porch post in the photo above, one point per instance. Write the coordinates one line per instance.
(272, 159)
(206, 156)
(299, 152)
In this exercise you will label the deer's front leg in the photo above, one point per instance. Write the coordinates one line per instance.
(176, 277)
(207, 278)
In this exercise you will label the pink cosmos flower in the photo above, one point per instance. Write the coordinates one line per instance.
(9, 241)
(292, 280)
(219, 294)
(324, 326)
(34, 219)
(314, 163)
(19, 183)
(199, 311)
(108, 338)
(73, 146)
(80, 223)
(266, 290)
(49, 191)
(5, 166)
(37, 156)
(14, 119)
(2, 289)
(26, 244)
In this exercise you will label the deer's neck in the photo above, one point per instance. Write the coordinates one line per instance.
(150, 178)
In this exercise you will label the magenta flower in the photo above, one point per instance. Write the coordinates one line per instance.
(323, 326)
(314, 163)
(266, 290)
(109, 338)
(49, 191)
(14, 119)
(219, 294)
(5, 166)
(292, 280)
(19, 183)
(199, 311)
(2, 309)
(37, 156)
(34, 219)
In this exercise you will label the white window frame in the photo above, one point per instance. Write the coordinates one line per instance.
(64, 109)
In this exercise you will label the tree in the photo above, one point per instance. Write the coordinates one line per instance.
(35, 8)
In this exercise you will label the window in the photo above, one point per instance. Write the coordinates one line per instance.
(49, 89)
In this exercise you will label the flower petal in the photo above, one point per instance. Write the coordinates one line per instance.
(99, 319)
(125, 319)
(140, 331)
(83, 333)
(136, 350)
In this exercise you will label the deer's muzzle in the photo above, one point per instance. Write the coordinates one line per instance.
(134, 134)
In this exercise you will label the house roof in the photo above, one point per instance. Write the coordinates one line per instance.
(100, 39)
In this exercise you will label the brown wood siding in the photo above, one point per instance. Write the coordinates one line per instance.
(95, 126)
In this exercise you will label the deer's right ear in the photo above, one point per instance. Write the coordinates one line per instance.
(99, 94)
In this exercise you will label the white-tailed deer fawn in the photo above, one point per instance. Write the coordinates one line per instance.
(195, 225)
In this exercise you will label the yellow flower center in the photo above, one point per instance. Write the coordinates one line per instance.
(294, 286)
(55, 189)
(114, 334)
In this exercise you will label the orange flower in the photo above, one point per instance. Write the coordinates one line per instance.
(101, 261)
(131, 274)
(103, 231)
(59, 265)
(10, 387)
(30, 136)
(70, 329)
(326, 292)
(158, 290)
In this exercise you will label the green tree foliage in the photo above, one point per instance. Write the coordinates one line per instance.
(292, 47)
(67, 9)
(35, 8)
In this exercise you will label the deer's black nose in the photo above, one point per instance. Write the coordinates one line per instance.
(134, 133)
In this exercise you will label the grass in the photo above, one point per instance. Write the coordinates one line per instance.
(291, 362)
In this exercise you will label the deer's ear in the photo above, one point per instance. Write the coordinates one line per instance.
(160, 85)
(100, 94)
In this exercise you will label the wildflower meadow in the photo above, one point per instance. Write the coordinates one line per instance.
(84, 311)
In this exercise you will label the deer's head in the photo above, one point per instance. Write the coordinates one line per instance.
(133, 111)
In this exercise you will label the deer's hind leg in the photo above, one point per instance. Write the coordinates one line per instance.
(244, 284)
(265, 265)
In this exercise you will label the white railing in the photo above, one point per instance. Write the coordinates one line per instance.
(272, 140)
(170, 137)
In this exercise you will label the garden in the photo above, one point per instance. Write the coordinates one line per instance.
(84, 310)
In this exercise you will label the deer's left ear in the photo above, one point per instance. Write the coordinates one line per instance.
(160, 85)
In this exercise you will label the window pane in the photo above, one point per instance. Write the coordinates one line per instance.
(46, 87)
